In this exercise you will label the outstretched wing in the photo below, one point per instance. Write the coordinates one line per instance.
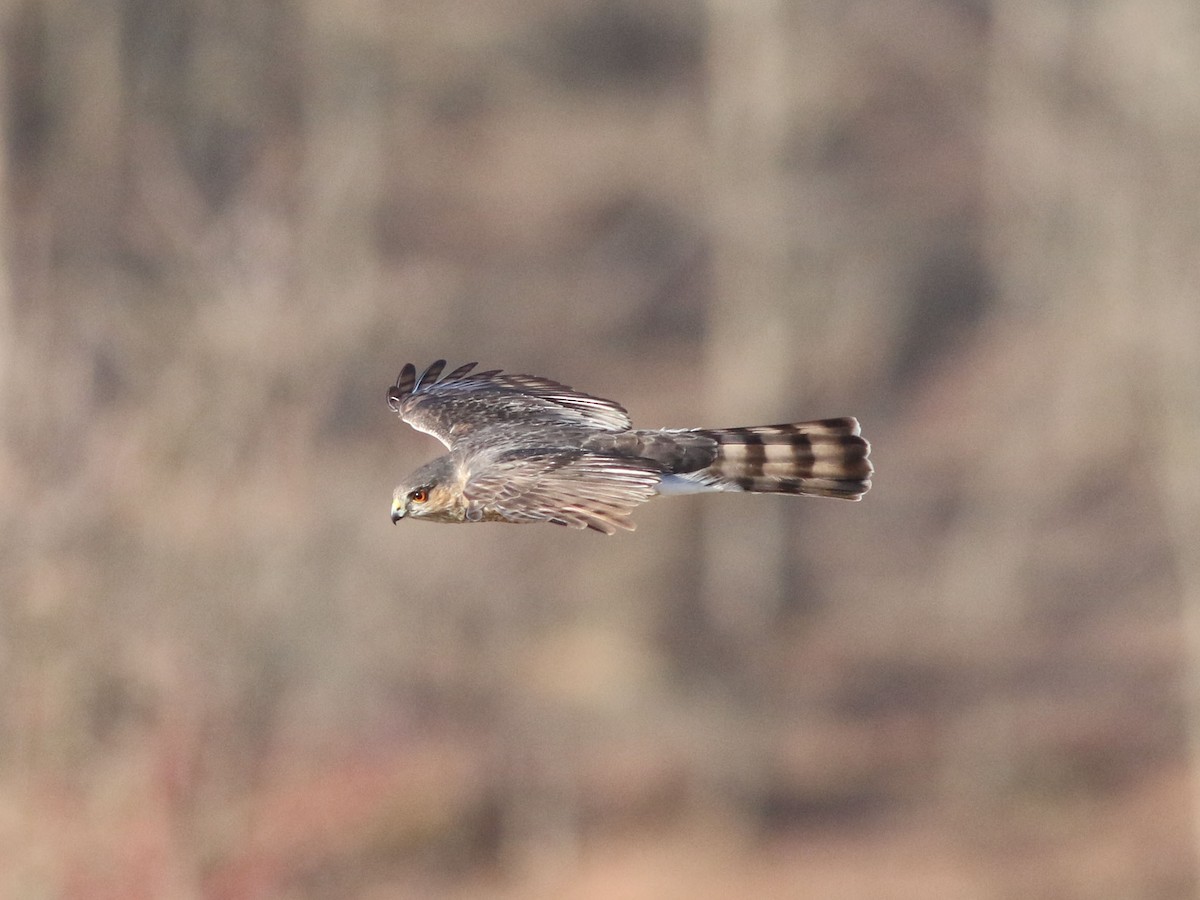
(466, 402)
(566, 487)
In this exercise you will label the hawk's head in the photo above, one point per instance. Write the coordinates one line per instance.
(432, 492)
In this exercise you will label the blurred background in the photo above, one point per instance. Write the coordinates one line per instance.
(974, 224)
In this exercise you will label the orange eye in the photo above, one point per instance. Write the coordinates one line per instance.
(420, 495)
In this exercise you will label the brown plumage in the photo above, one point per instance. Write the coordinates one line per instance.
(528, 449)
(825, 458)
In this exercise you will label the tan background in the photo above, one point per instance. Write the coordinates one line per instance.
(226, 225)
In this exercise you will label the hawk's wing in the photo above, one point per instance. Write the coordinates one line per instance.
(467, 402)
(566, 487)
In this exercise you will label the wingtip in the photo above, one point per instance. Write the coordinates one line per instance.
(408, 382)
(403, 386)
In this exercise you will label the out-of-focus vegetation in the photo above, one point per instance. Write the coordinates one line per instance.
(975, 224)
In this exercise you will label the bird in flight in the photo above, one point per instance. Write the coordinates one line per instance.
(528, 449)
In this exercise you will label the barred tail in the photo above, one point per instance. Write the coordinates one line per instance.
(825, 458)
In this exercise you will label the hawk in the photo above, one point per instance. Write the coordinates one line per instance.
(528, 449)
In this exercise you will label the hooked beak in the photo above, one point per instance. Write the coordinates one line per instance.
(397, 512)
